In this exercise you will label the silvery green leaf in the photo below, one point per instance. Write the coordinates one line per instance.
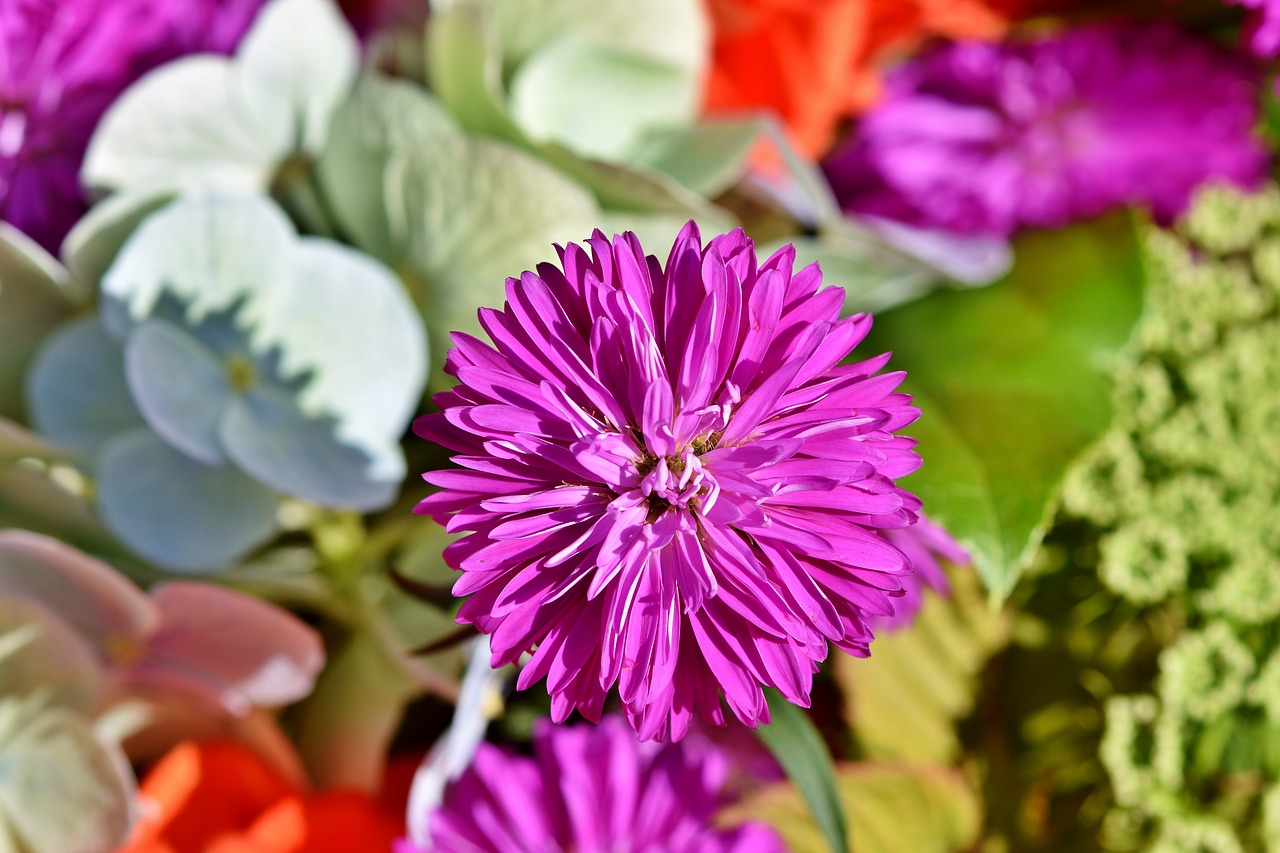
(176, 512)
(33, 301)
(76, 391)
(675, 32)
(230, 122)
(62, 790)
(707, 157)
(376, 136)
(179, 385)
(265, 433)
(95, 240)
(461, 214)
(595, 99)
(296, 65)
(881, 265)
(971, 260)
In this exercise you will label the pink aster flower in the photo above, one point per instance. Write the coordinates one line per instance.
(982, 138)
(669, 480)
(1262, 26)
(927, 545)
(62, 63)
(591, 788)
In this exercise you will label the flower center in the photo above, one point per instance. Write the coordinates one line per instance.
(678, 480)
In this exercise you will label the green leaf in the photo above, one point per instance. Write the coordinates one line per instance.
(707, 157)
(795, 742)
(904, 701)
(595, 99)
(61, 789)
(457, 217)
(890, 809)
(34, 300)
(1013, 384)
(474, 45)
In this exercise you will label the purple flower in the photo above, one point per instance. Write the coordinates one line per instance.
(981, 138)
(1262, 28)
(670, 482)
(592, 788)
(926, 545)
(62, 63)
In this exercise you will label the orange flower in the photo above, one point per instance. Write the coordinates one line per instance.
(813, 61)
(217, 796)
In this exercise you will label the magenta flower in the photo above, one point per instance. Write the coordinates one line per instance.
(62, 63)
(981, 138)
(926, 545)
(1262, 27)
(591, 788)
(670, 482)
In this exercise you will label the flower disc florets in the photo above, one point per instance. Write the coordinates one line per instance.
(669, 481)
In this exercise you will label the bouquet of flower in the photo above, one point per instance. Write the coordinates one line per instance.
(702, 557)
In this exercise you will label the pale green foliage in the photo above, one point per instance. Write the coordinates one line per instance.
(1183, 491)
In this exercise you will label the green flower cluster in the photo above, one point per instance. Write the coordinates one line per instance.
(1184, 490)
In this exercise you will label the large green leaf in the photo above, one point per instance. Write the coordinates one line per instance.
(475, 45)
(890, 808)
(1013, 384)
(904, 701)
(456, 216)
(795, 742)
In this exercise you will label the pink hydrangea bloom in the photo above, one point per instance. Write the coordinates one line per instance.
(62, 63)
(980, 138)
(592, 788)
(670, 482)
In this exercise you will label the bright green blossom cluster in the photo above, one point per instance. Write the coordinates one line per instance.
(1184, 491)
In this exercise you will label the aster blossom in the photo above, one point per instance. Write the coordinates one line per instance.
(1262, 26)
(981, 138)
(592, 788)
(669, 482)
(62, 63)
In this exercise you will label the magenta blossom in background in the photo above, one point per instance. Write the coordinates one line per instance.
(926, 545)
(62, 63)
(1262, 27)
(669, 481)
(981, 138)
(591, 788)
